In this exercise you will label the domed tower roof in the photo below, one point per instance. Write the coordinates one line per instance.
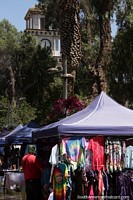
(34, 9)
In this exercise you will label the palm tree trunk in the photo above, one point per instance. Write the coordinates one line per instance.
(70, 36)
(103, 59)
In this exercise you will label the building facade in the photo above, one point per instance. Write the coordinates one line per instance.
(35, 24)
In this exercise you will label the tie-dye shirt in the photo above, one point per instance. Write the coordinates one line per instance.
(74, 148)
(59, 180)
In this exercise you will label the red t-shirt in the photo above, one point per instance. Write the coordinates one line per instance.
(97, 145)
(32, 167)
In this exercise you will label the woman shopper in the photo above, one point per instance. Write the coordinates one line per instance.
(32, 167)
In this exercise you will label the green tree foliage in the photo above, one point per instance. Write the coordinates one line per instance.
(4, 112)
(8, 43)
(120, 72)
(12, 110)
(17, 63)
(90, 48)
(37, 82)
(24, 64)
(33, 81)
(51, 13)
(9, 36)
(90, 42)
(21, 114)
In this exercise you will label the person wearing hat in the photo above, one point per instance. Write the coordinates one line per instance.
(32, 167)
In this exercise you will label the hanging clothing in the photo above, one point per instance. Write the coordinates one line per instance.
(59, 180)
(74, 148)
(88, 157)
(101, 187)
(81, 182)
(69, 182)
(125, 184)
(115, 149)
(129, 157)
(54, 156)
(97, 145)
(91, 180)
(106, 182)
(113, 185)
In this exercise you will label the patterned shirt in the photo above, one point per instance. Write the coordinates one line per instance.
(59, 180)
(74, 148)
(115, 152)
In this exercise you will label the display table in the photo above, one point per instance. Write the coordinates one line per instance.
(14, 178)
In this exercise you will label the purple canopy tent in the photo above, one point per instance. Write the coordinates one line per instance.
(103, 116)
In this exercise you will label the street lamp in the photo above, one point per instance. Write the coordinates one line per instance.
(64, 75)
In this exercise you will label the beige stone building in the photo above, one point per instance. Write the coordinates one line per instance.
(35, 24)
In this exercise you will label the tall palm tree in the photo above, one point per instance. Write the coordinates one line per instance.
(70, 34)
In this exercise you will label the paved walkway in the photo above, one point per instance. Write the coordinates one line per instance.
(16, 196)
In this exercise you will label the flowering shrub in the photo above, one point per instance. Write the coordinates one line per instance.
(65, 107)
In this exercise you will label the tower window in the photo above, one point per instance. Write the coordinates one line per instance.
(56, 45)
(42, 23)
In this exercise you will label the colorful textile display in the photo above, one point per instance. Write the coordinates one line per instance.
(59, 180)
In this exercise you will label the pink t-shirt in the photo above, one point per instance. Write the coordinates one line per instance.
(97, 145)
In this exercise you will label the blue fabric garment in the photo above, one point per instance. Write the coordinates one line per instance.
(106, 183)
(129, 157)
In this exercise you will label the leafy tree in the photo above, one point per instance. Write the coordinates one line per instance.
(21, 114)
(37, 82)
(120, 73)
(24, 64)
(89, 47)
(66, 14)
(93, 21)
(28, 64)
(4, 112)
(8, 43)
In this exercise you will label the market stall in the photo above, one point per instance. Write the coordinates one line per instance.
(22, 134)
(5, 133)
(16, 142)
(103, 116)
(99, 140)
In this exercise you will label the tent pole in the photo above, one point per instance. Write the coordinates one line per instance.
(59, 141)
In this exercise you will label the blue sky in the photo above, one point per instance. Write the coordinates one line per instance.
(14, 11)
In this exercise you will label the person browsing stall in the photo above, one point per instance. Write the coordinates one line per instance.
(32, 167)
